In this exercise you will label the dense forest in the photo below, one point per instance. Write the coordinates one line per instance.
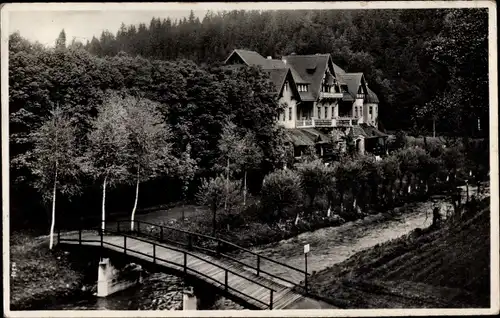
(397, 50)
(425, 65)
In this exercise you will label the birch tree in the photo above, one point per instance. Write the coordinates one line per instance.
(53, 161)
(212, 193)
(185, 168)
(230, 148)
(108, 151)
(250, 158)
(241, 154)
(148, 142)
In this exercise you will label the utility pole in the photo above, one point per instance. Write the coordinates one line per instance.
(306, 251)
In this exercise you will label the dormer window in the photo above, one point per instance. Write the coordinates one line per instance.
(328, 83)
(361, 93)
(302, 88)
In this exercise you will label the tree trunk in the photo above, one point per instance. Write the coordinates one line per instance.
(53, 222)
(374, 194)
(390, 189)
(214, 221)
(227, 185)
(136, 199)
(311, 205)
(401, 186)
(103, 220)
(330, 202)
(245, 188)
(341, 202)
(434, 127)
(183, 213)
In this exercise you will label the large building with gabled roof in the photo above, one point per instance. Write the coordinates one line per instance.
(320, 97)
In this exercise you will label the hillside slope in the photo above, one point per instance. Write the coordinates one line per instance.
(444, 268)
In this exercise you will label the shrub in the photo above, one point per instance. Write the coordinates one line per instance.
(216, 193)
(314, 178)
(280, 189)
(401, 140)
(372, 177)
(429, 168)
(453, 159)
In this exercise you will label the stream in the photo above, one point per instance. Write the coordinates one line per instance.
(328, 246)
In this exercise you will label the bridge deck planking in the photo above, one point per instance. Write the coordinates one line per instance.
(281, 298)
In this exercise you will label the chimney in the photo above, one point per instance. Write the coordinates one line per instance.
(269, 57)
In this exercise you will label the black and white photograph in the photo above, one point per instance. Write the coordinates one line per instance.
(216, 159)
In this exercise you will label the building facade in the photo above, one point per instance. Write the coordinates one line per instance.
(320, 98)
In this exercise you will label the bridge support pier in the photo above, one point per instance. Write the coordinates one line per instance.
(111, 279)
(189, 301)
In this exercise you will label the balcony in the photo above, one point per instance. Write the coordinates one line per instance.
(346, 121)
(324, 95)
(324, 122)
(336, 122)
(304, 123)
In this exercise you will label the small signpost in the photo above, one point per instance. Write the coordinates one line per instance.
(306, 251)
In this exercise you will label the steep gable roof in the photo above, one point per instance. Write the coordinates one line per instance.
(249, 57)
(273, 64)
(277, 69)
(252, 58)
(311, 69)
(279, 77)
(305, 69)
(353, 80)
(338, 70)
(296, 76)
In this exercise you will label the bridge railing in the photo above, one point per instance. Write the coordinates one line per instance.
(208, 244)
(155, 258)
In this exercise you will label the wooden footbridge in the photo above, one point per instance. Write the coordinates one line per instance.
(198, 256)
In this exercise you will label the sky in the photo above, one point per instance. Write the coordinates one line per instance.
(43, 22)
(45, 26)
